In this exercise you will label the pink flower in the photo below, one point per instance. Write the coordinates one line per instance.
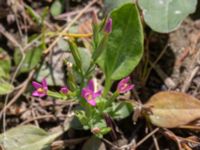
(40, 89)
(64, 90)
(89, 93)
(124, 85)
(108, 26)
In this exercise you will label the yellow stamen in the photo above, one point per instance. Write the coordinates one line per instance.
(41, 90)
(89, 97)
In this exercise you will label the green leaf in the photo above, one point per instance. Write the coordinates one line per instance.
(5, 64)
(76, 54)
(121, 110)
(57, 95)
(3, 74)
(166, 15)
(102, 104)
(5, 87)
(85, 58)
(32, 58)
(27, 138)
(34, 15)
(172, 109)
(56, 8)
(125, 44)
(81, 115)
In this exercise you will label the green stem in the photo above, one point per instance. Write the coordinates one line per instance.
(55, 95)
(114, 96)
(108, 85)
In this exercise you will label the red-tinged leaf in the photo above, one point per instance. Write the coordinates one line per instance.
(172, 109)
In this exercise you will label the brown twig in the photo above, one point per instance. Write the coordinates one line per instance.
(146, 137)
(187, 82)
(167, 80)
(39, 118)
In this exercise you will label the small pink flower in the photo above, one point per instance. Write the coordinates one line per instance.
(124, 85)
(108, 26)
(40, 89)
(64, 90)
(89, 93)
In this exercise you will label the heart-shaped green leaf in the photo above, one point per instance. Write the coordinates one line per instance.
(125, 44)
(172, 109)
(166, 15)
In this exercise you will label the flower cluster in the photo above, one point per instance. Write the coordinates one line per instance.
(96, 106)
(88, 92)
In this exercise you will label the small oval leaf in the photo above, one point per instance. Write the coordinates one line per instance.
(56, 8)
(172, 109)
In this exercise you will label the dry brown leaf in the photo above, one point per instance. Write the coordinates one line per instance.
(172, 109)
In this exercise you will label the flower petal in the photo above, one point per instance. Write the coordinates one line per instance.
(91, 85)
(97, 94)
(44, 84)
(92, 102)
(42, 94)
(35, 93)
(125, 80)
(128, 88)
(85, 92)
(36, 85)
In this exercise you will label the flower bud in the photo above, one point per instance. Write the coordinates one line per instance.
(108, 26)
(64, 90)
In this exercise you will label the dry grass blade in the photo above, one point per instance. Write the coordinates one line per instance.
(69, 25)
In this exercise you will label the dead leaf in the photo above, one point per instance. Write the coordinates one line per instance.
(172, 109)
